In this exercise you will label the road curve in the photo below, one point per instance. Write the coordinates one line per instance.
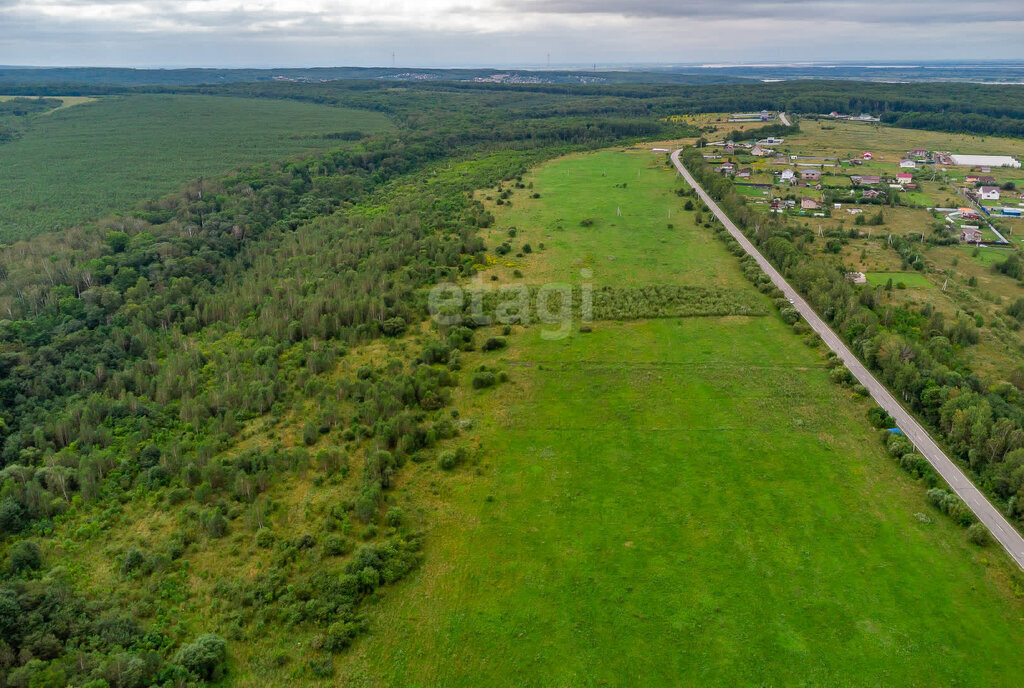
(1001, 530)
(785, 120)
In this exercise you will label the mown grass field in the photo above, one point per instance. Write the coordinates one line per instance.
(677, 502)
(81, 163)
(911, 280)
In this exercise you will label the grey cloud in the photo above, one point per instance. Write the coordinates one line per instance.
(616, 32)
(860, 12)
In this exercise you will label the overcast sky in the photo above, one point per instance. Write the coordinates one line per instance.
(264, 33)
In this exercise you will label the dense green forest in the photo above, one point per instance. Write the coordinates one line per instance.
(919, 353)
(966, 108)
(134, 350)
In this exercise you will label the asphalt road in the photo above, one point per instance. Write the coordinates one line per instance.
(785, 120)
(1001, 530)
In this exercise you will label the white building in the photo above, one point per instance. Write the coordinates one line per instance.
(787, 177)
(989, 193)
(984, 161)
(908, 164)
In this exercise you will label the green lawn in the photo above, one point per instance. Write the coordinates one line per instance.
(678, 502)
(987, 256)
(750, 191)
(913, 280)
(918, 198)
(83, 162)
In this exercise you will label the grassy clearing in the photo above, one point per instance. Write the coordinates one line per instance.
(653, 241)
(66, 101)
(83, 162)
(911, 280)
(679, 502)
(890, 144)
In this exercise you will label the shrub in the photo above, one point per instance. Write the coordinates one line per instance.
(132, 561)
(340, 635)
(879, 418)
(898, 445)
(25, 556)
(216, 525)
(447, 460)
(979, 535)
(204, 658)
(393, 327)
(321, 668)
(841, 375)
(11, 516)
(310, 433)
(495, 343)
(483, 379)
(394, 517)
(336, 545)
(951, 505)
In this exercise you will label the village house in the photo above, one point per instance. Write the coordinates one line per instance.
(989, 193)
(759, 152)
(744, 173)
(810, 175)
(904, 177)
(867, 155)
(871, 193)
(908, 164)
(968, 213)
(807, 203)
(918, 153)
(866, 179)
(727, 168)
(729, 148)
(971, 235)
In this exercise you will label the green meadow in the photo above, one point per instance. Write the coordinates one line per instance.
(912, 280)
(81, 163)
(677, 501)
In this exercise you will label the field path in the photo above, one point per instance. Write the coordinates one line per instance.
(1000, 528)
(785, 120)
